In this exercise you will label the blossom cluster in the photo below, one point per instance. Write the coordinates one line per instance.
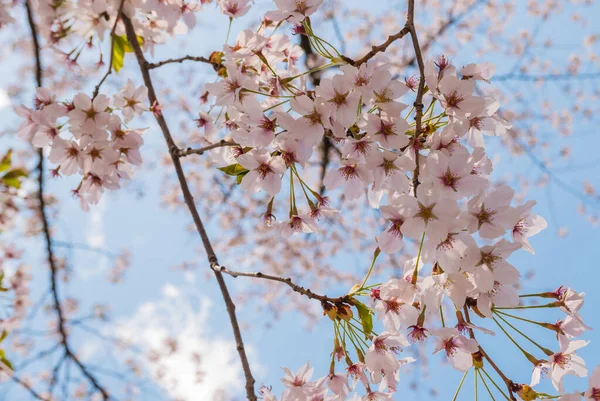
(87, 137)
(412, 148)
(431, 183)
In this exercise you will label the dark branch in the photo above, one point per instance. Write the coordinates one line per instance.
(112, 48)
(189, 200)
(286, 280)
(200, 151)
(46, 226)
(151, 66)
(382, 47)
(410, 24)
(547, 77)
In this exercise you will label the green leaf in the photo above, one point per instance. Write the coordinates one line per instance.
(240, 176)
(365, 315)
(13, 178)
(3, 336)
(121, 46)
(233, 170)
(6, 160)
(7, 363)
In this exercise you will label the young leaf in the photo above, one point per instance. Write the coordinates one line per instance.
(233, 170)
(365, 315)
(6, 160)
(120, 47)
(7, 363)
(13, 178)
(240, 176)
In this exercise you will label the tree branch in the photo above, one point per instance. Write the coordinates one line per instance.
(189, 200)
(200, 151)
(286, 280)
(151, 66)
(46, 226)
(112, 52)
(410, 24)
(382, 47)
(547, 77)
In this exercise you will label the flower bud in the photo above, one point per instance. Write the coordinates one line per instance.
(329, 310)
(526, 393)
(344, 312)
(477, 360)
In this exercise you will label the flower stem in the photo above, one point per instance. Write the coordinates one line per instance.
(544, 350)
(550, 305)
(529, 357)
(415, 275)
(459, 386)
(228, 30)
(375, 255)
(496, 385)
(486, 387)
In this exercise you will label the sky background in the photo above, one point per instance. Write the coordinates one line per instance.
(155, 299)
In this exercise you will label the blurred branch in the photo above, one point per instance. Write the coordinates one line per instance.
(189, 200)
(46, 226)
(112, 50)
(547, 77)
(450, 22)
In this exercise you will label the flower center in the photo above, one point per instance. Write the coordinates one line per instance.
(349, 172)
(448, 243)
(485, 216)
(562, 360)
(264, 170)
(387, 129)
(267, 124)
(417, 334)
(339, 99)
(450, 180)
(426, 212)
(453, 100)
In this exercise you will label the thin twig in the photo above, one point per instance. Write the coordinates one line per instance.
(410, 24)
(151, 66)
(546, 77)
(509, 383)
(46, 226)
(200, 151)
(383, 47)
(189, 200)
(286, 280)
(112, 50)
(450, 22)
(27, 387)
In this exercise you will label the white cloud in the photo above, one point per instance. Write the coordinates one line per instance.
(175, 317)
(4, 99)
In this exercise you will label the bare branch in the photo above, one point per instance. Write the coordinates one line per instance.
(450, 22)
(112, 48)
(27, 387)
(46, 226)
(286, 280)
(200, 151)
(547, 77)
(382, 47)
(151, 66)
(189, 200)
(410, 24)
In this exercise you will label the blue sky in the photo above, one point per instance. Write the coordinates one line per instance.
(159, 239)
